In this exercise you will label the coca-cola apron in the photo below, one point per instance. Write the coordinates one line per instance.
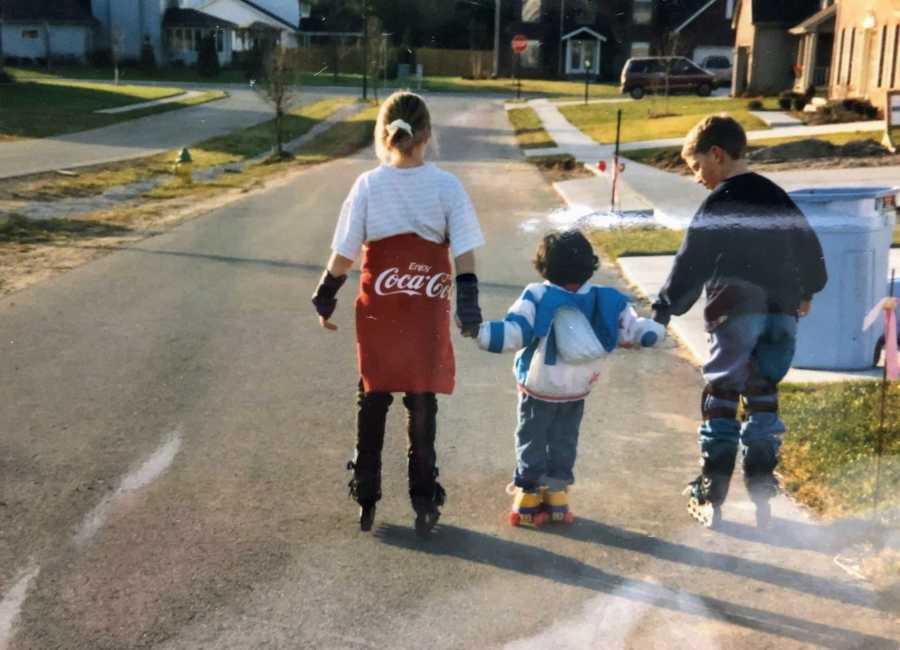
(403, 317)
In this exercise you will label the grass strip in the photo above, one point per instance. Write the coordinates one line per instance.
(18, 229)
(529, 129)
(828, 455)
(631, 241)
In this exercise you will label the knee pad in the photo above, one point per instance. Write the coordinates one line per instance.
(718, 403)
(760, 398)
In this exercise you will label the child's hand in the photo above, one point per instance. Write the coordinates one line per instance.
(804, 308)
(326, 324)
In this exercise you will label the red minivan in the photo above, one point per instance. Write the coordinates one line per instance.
(648, 75)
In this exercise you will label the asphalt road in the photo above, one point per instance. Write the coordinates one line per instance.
(175, 428)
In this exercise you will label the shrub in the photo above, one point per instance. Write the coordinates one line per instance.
(100, 58)
(798, 102)
(784, 103)
(755, 105)
(148, 58)
(5, 77)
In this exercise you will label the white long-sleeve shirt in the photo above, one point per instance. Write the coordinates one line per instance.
(423, 200)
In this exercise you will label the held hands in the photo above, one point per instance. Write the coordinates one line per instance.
(468, 313)
(804, 308)
(324, 299)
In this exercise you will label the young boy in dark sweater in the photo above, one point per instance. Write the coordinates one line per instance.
(754, 253)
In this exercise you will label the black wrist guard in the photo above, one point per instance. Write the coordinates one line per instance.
(324, 298)
(661, 315)
(467, 310)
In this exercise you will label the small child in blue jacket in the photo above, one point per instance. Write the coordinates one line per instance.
(562, 329)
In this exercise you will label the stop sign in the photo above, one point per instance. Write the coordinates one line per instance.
(519, 43)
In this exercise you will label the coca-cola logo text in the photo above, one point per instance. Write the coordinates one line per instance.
(417, 281)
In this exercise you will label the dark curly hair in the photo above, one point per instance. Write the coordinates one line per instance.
(566, 257)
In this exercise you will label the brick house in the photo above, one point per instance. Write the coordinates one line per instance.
(872, 69)
(765, 49)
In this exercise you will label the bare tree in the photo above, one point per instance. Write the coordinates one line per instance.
(280, 88)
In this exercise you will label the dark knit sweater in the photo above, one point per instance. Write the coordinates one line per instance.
(751, 248)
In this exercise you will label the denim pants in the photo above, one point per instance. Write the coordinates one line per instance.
(750, 354)
(546, 442)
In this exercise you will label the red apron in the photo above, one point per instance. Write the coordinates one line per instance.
(403, 317)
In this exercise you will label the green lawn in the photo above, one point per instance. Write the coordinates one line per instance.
(654, 118)
(42, 109)
(529, 129)
(828, 456)
(613, 243)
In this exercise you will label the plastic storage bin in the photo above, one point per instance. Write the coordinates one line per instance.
(855, 226)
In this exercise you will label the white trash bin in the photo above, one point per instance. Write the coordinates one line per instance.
(855, 226)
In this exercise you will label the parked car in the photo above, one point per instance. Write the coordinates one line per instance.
(656, 74)
(718, 66)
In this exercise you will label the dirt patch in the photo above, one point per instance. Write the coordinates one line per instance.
(35, 251)
(558, 168)
(802, 154)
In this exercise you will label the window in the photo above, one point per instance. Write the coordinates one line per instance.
(220, 40)
(729, 10)
(531, 57)
(531, 11)
(642, 13)
(198, 38)
(840, 59)
(30, 33)
(850, 57)
(896, 53)
(640, 49)
(716, 63)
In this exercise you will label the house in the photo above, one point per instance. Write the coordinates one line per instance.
(765, 50)
(185, 29)
(866, 50)
(564, 35)
(173, 28)
(280, 18)
(46, 30)
(815, 48)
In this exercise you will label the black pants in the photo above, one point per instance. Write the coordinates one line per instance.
(421, 429)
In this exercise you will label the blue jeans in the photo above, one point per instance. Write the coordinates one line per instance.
(750, 354)
(546, 442)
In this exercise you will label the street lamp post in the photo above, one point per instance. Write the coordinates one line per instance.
(587, 79)
(496, 38)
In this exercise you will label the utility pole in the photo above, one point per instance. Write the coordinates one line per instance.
(365, 48)
(562, 32)
(496, 38)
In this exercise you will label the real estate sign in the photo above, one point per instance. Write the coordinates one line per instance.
(892, 120)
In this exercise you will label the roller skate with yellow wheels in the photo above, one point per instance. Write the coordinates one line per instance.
(527, 508)
(556, 506)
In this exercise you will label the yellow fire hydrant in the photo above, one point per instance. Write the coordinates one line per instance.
(184, 166)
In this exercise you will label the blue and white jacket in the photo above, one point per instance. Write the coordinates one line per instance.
(529, 328)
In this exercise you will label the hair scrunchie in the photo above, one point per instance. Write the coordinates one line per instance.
(396, 125)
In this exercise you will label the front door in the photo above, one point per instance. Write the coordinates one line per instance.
(579, 53)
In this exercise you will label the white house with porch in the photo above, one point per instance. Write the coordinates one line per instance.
(583, 51)
(253, 16)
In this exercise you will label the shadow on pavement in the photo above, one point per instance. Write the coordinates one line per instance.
(538, 562)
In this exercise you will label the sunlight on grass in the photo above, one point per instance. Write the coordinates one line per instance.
(614, 243)
(529, 129)
(828, 456)
(639, 121)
